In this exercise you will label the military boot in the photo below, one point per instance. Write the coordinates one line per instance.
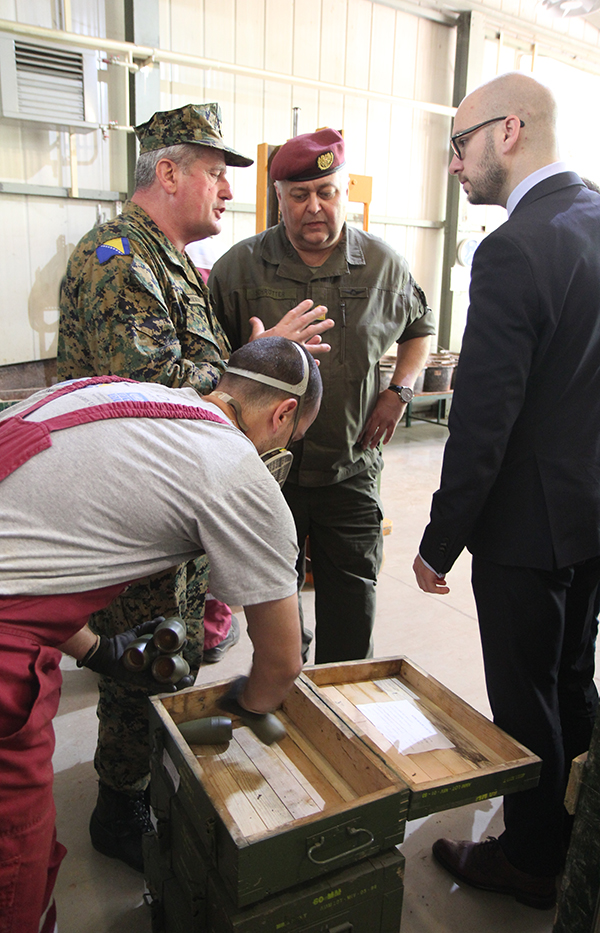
(118, 823)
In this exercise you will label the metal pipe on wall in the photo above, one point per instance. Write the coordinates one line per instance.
(150, 56)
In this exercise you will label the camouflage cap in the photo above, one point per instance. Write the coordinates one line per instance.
(194, 123)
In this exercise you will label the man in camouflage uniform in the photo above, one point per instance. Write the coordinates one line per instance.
(132, 304)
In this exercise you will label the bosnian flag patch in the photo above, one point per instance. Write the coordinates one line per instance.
(117, 247)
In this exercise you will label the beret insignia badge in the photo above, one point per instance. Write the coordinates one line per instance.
(325, 160)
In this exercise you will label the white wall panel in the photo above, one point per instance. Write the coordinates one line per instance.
(383, 36)
(399, 180)
(339, 42)
(359, 46)
(333, 35)
(279, 31)
(36, 239)
(36, 12)
(12, 153)
(8, 9)
(219, 28)
(243, 227)
(277, 112)
(247, 133)
(250, 33)
(186, 31)
(307, 99)
(405, 56)
(307, 38)
(379, 131)
(14, 320)
(354, 123)
(331, 110)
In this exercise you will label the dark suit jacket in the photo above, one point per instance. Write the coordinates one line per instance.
(521, 476)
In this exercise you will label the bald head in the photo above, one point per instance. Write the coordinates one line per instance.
(526, 98)
(515, 151)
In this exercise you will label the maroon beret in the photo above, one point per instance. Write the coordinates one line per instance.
(309, 156)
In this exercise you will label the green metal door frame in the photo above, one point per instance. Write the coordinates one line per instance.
(467, 75)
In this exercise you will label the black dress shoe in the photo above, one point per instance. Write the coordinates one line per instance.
(213, 655)
(484, 865)
(118, 823)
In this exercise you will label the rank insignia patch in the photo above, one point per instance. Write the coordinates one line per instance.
(117, 247)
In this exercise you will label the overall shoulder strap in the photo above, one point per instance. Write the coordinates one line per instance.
(21, 440)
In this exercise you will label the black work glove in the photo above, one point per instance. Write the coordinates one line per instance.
(265, 726)
(105, 659)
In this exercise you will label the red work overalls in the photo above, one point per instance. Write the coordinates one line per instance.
(31, 628)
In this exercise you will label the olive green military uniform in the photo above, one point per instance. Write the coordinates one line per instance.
(368, 290)
(132, 305)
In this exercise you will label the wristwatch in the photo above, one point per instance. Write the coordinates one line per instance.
(405, 392)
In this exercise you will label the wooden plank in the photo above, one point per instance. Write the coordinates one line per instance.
(330, 774)
(360, 693)
(433, 767)
(362, 771)
(224, 789)
(353, 671)
(453, 760)
(315, 782)
(193, 702)
(253, 783)
(404, 765)
(426, 762)
(574, 783)
(289, 760)
(469, 745)
(469, 754)
(280, 778)
(460, 713)
(262, 181)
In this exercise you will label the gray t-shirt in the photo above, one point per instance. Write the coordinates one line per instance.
(117, 500)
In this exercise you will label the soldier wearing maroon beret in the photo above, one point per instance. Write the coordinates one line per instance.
(369, 292)
(310, 156)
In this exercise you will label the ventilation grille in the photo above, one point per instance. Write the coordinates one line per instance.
(49, 82)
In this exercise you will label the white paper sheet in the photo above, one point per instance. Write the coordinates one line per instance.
(405, 726)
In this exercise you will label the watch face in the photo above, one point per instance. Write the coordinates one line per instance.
(405, 392)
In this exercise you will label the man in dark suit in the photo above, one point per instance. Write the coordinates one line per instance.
(520, 484)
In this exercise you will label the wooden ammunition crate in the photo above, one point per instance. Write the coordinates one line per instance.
(188, 895)
(484, 762)
(272, 817)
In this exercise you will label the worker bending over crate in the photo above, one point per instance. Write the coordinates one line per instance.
(105, 481)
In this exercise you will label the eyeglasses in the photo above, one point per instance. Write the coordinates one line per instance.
(472, 129)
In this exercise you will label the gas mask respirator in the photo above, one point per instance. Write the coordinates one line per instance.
(278, 461)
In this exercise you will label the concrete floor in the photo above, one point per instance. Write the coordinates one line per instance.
(99, 895)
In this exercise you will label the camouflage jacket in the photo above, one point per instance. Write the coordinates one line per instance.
(132, 305)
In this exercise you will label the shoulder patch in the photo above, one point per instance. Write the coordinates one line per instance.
(117, 247)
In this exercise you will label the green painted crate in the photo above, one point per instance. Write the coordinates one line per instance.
(191, 898)
(485, 761)
(270, 818)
